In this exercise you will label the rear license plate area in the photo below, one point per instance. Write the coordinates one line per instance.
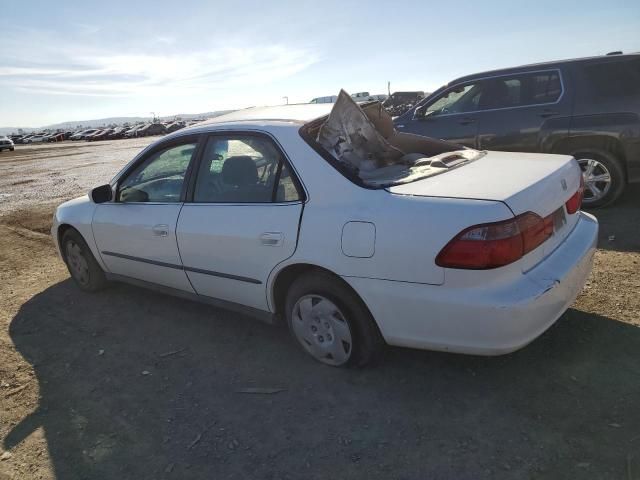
(559, 219)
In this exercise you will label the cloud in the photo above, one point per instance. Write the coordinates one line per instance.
(75, 70)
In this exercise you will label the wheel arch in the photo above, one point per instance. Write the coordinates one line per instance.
(62, 229)
(285, 277)
(607, 143)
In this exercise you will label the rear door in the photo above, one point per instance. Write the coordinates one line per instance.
(135, 233)
(523, 112)
(243, 219)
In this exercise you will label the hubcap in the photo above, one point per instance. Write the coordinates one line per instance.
(77, 263)
(322, 329)
(597, 179)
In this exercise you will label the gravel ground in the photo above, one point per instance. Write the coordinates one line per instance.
(131, 384)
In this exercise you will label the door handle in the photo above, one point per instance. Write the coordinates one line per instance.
(271, 239)
(466, 121)
(548, 113)
(161, 230)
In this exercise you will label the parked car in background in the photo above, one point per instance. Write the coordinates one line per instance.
(151, 129)
(276, 222)
(37, 138)
(588, 108)
(133, 131)
(116, 133)
(83, 134)
(6, 144)
(99, 135)
(361, 96)
(379, 97)
(327, 99)
(56, 137)
(399, 102)
(174, 126)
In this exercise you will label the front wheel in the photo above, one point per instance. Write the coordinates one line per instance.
(603, 175)
(330, 322)
(82, 265)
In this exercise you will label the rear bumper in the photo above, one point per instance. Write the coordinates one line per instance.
(487, 320)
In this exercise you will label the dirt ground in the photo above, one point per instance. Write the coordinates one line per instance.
(130, 384)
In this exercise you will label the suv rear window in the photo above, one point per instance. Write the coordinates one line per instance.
(613, 79)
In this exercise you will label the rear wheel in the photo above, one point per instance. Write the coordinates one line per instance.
(330, 322)
(603, 175)
(82, 265)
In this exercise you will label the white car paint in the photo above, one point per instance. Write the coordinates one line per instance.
(382, 242)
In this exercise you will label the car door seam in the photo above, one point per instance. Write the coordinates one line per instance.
(175, 233)
(95, 242)
(275, 267)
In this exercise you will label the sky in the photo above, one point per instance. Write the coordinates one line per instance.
(72, 60)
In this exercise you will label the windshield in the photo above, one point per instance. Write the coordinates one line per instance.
(366, 147)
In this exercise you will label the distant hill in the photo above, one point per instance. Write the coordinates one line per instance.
(110, 121)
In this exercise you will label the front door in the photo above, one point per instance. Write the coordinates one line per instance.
(450, 116)
(243, 220)
(136, 233)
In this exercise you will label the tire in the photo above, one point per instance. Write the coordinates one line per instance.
(82, 265)
(602, 164)
(340, 332)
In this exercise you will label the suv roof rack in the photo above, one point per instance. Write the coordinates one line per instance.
(617, 52)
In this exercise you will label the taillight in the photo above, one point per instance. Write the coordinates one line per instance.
(493, 245)
(573, 204)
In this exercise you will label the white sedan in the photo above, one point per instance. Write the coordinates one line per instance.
(355, 237)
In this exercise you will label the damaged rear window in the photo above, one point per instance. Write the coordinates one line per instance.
(362, 143)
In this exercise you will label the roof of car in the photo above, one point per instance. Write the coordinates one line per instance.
(299, 113)
(534, 66)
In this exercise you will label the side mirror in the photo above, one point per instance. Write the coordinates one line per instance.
(422, 113)
(101, 194)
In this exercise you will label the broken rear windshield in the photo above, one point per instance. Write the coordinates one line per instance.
(363, 145)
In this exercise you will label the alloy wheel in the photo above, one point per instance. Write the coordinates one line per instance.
(597, 179)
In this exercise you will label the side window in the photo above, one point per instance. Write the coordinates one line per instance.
(287, 190)
(521, 90)
(613, 79)
(243, 169)
(457, 100)
(159, 178)
(545, 88)
(501, 93)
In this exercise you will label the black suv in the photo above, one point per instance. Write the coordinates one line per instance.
(587, 107)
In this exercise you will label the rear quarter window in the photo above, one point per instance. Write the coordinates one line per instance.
(612, 79)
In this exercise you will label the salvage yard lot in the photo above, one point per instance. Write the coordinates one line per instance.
(128, 383)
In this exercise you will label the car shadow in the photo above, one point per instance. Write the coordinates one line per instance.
(620, 222)
(134, 384)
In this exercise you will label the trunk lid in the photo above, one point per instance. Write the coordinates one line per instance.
(539, 183)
